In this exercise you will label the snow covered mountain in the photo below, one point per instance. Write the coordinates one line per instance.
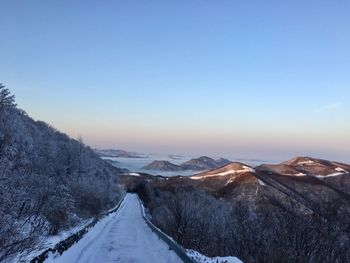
(229, 169)
(303, 166)
(257, 211)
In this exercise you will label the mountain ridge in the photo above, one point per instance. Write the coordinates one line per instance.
(195, 164)
(118, 153)
(162, 165)
(260, 205)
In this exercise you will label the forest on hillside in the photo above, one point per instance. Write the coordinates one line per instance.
(267, 228)
(48, 181)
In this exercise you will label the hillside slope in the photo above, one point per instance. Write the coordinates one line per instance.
(298, 210)
(48, 181)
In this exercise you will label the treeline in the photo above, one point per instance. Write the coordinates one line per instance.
(267, 231)
(48, 182)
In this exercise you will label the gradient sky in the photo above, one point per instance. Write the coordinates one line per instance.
(256, 79)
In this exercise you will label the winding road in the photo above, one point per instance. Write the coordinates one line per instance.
(122, 236)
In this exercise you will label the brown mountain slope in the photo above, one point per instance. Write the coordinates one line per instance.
(298, 179)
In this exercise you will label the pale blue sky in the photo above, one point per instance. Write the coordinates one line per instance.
(236, 78)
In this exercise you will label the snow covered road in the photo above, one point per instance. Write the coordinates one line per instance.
(120, 237)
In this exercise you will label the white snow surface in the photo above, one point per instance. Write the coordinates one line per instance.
(305, 162)
(122, 236)
(261, 182)
(198, 257)
(244, 170)
(329, 175)
(300, 174)
(339, 169)
(134, 174)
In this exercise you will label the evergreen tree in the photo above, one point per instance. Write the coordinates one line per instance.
(7, 100)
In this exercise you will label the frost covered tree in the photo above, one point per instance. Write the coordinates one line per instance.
(267, 232)
(48, 181)
(6, 98)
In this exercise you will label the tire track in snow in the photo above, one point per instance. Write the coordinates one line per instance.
(124, 237)
(111, 220)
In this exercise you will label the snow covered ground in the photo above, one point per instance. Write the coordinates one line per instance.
(243, 170)
(120, 237)
(46, 243)
(198, 257)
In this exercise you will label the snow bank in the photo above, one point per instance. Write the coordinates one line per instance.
(198, 257)
(48, 242)
(133, 174)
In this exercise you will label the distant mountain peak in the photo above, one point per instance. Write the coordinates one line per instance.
(161, 165)
(196, 164)
(301, 160)
(222, 161)
(201, 163)
(118, 153)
